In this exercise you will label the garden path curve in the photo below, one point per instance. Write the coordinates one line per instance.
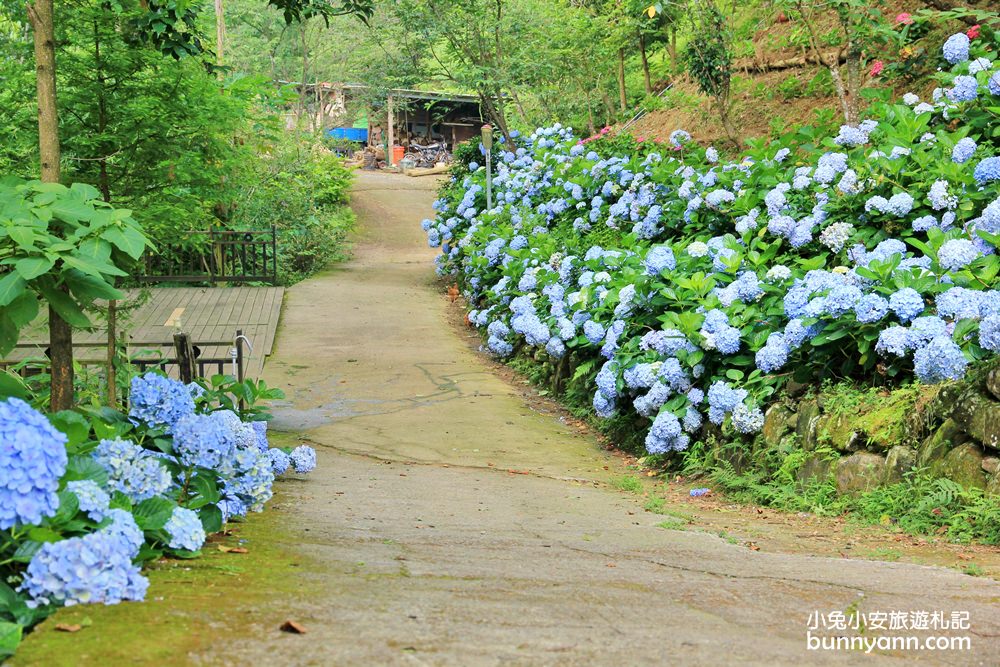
(451, 524)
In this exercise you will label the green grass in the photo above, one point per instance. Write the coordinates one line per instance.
(672, 524)
(919, 505)
(627, 483)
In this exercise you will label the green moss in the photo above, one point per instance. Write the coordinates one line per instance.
(883, 415)
(190, 603)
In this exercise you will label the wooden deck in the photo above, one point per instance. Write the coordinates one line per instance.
(208, 314)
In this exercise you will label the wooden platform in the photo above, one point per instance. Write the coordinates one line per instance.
(208, 314)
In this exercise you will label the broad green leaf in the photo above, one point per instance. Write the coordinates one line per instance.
(22, 236)
(10, 638)
(72, 210)
(12, 285)
(88, 288)
(12, 385)
(67, 308)
(23, 309)
(153, 513)
(82, 467)
(73, 424)
(128, 239)
(30, 268)
(211, 518)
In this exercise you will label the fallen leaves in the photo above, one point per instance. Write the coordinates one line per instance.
(293, 627)
(69, 627)
(233, 550)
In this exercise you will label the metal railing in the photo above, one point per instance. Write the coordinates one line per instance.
(149, 357)
(216, 256)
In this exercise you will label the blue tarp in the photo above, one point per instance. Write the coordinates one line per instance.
(351, 133)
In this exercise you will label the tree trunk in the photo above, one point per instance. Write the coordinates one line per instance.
(220, 34)
(727, 124)
(622, 98)
(42, 17)
(645, 64)
(854, 80)
(672, 50)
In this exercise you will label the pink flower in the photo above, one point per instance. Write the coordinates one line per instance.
(877, 68)
(640, 138)
(972, 32)
(904, 19)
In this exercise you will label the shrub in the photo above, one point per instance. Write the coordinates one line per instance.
(868, 255)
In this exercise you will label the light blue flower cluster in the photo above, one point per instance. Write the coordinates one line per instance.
(132, 470)
(204, 440)
(303, 459)
(94, 568)
(32, 458)
(94, 500)
(159, 401)
(185, 530)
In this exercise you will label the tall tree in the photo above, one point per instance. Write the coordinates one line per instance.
(173, 31)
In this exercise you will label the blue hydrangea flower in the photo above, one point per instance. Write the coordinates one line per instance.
(251, 477)
(123, 527)
(871, 308)
(647, 404)
(132, 470)
(207, 441)
(303, 459)
(956, 48)
(665, 434)
(894, 340)
(658, 259)
(774, 354)
(747, 420)
(93, 499)
(722, 399)
(989, 333)
(159, 401)
(678, 137)
(260, 431)
(32, 458)
(994, 84)
(964, 89)
(94, 568)
(593, 331)
(232, 507)
(963, 150)
(279, 461)
(940, 360)
(906, 303)
(956, 254)
(185, 530)
(987, 170)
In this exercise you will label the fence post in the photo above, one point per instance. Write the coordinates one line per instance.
(274, 255)
(240, 371)
(185, 356)
(111, 377)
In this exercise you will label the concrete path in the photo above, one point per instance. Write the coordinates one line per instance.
(451, 524)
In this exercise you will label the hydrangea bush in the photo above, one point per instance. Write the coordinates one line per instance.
(691, 288)
(87, 497)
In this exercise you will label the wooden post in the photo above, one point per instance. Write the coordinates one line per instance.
(185, 356)
(112, 376)
(392, 133)
(240, 372)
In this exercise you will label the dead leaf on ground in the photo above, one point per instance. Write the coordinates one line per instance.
(233, 550)
(293, 627)
(69, 627)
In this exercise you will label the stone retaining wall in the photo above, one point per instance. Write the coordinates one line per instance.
(952, 431)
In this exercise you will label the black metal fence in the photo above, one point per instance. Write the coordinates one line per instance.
(222, 256)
